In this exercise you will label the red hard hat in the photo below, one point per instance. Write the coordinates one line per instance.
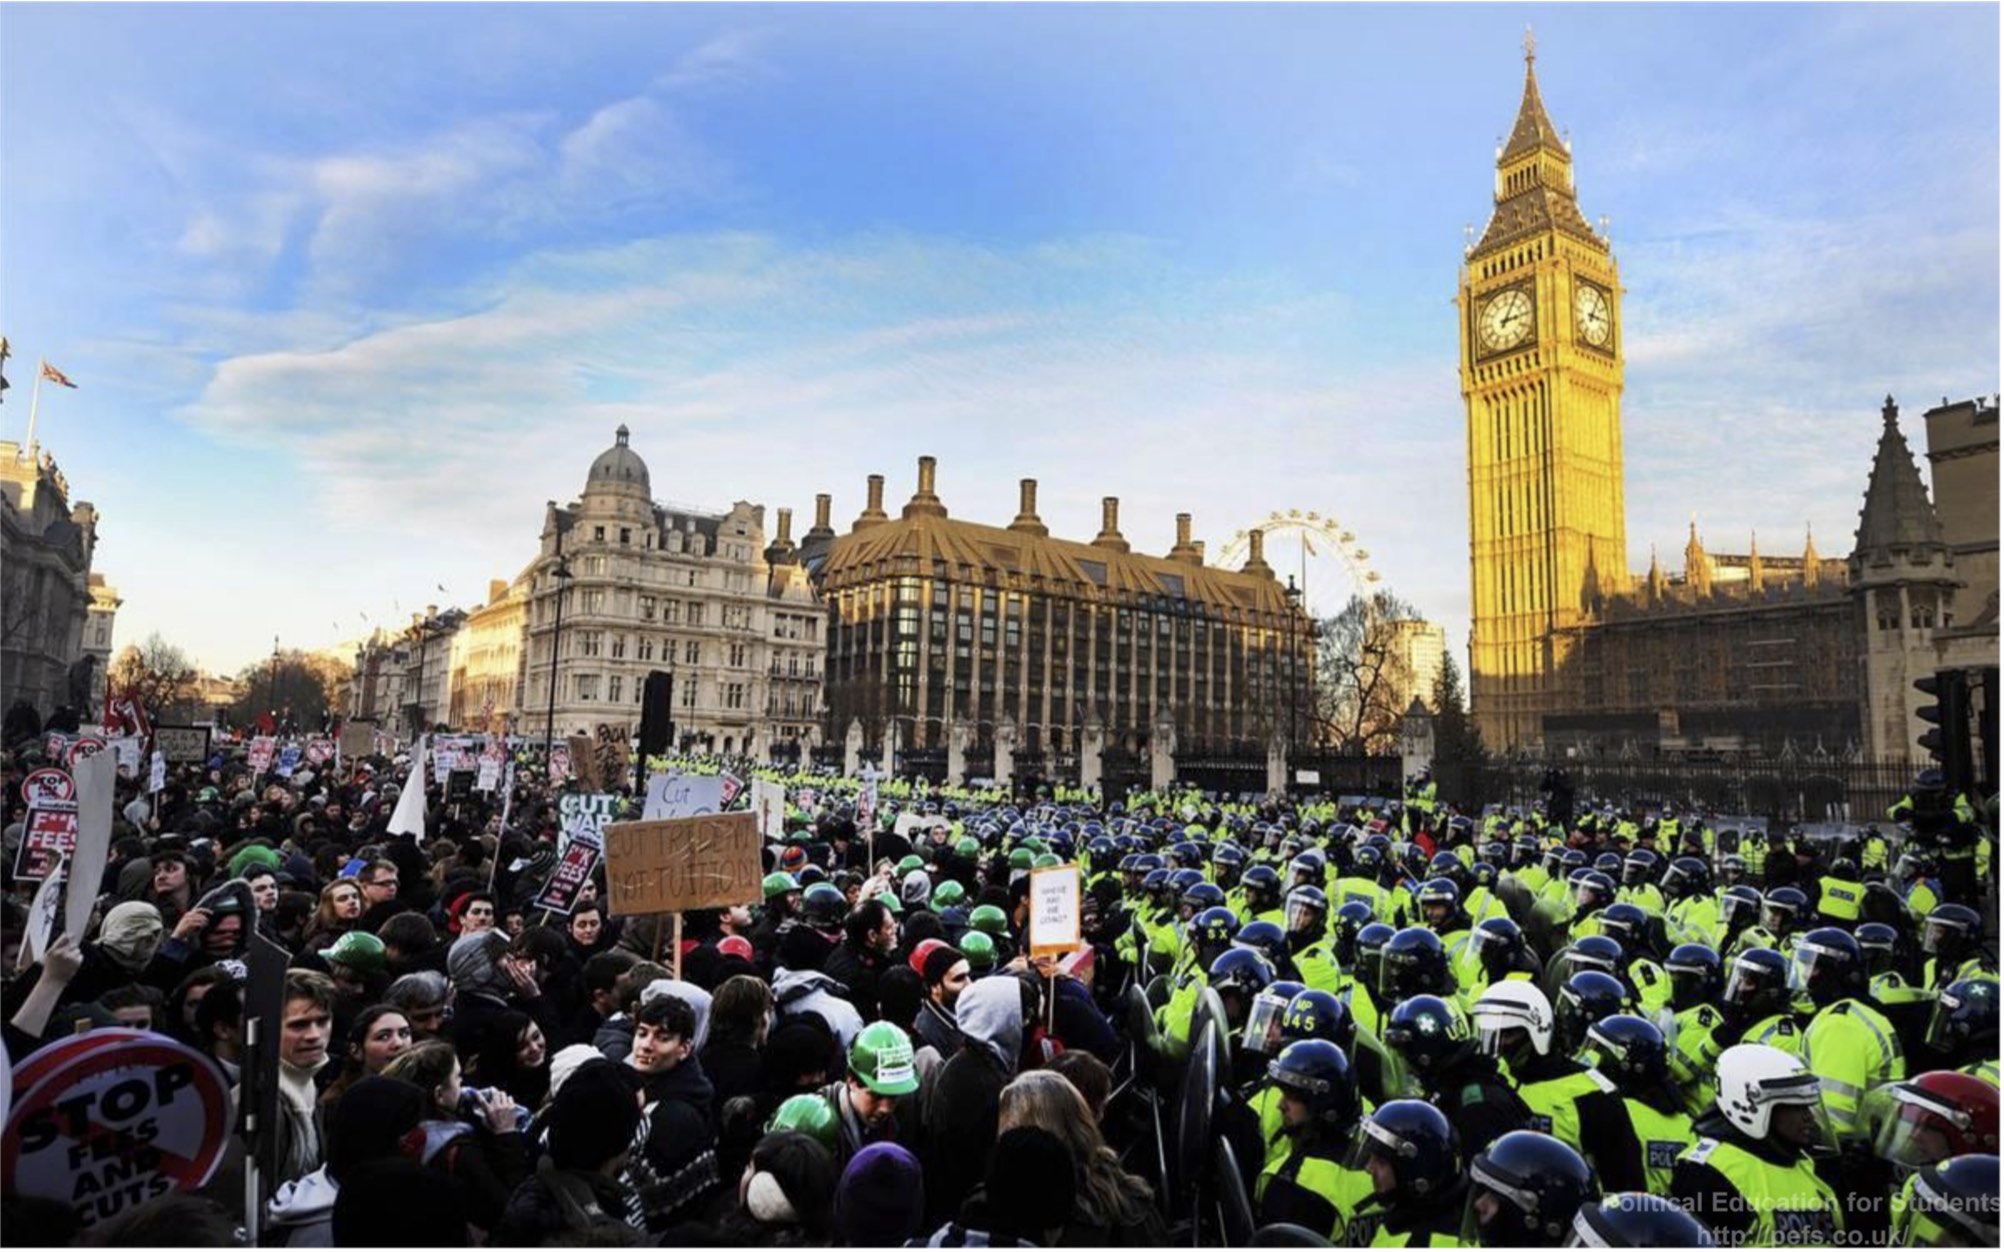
(735, 945)
(921, 952)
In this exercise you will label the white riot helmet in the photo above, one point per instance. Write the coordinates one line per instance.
(1755, 1079)
(1514, 1006)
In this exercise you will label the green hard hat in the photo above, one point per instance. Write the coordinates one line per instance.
(988, 919)
(1046, 860)
(1035, 844)
(947, 894)
(979, 950)
(889, 899)
(881, 1059)
(967, 846)
(909, 864)
(779, 884)
(811, 1115)
(358, 950)
(1022, 858)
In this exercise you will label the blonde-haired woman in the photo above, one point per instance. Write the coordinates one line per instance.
(1114, 1208)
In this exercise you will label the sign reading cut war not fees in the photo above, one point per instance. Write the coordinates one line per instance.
(703, 862)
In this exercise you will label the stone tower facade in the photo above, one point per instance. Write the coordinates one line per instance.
(1541, 376)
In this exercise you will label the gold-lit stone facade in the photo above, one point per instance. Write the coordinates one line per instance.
(1541, 375)
(936, 622)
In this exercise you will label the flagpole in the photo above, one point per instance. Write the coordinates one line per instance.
(35, 405)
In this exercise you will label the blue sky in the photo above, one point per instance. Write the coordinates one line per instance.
(351, 290)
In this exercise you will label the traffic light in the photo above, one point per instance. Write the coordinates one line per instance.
(1947, 736)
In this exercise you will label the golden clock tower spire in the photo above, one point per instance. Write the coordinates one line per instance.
(1541, 376)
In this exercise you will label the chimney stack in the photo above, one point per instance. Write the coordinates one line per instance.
(780, 551)
(925, 500)
(873, 510)
(1027, 520)
(822, 503)
(1109, 526)
(1256, 556)
(1184, 551)
(786, 525)
(1198, 549)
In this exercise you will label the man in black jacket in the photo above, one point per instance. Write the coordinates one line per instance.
(869, 935)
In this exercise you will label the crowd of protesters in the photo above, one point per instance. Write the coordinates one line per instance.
(1417, 1025)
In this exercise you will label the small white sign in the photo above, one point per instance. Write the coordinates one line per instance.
(769, 802)
(1054, 910)
(683, 795)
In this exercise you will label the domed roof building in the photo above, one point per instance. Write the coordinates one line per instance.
(646, 585)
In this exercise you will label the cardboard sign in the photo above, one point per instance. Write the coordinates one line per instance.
(768, 800)
(1054, 910)
(584, 762)
(48, 786)
(358, 738)
(583, 818)
(108, 1128)
(261, 751)
(683, 795)
(572, 871)
(685, 863)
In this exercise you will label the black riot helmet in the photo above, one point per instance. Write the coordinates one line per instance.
(1696, 976)
(1429, 1034)
(1317, 1073)
(1415, 963)
(1541, 1183)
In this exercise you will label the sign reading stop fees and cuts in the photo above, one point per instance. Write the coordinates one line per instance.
(110, 1119)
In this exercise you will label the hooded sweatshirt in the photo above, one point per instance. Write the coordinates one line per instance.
(303, 1210)
(962, 1109)
(688, 993)
(131, 934)
(809, 991)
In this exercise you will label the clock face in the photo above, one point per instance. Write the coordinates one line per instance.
(1505, 321)
(1590, 311)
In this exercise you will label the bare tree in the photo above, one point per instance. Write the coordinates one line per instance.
(161, 675)
(1365, 680)
(303, 685)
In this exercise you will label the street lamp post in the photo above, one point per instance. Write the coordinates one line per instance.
(560, 571)
(271, 684)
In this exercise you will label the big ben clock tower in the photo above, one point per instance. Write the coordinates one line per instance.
(1540, 313)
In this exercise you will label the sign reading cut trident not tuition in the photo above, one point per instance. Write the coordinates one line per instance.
(703, 862)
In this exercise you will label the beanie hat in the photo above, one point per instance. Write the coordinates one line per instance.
(397, 1203)
(593, 1116)
(880, 1201)
(939, 961)
(256, 854)
(1031, 1184)
(371, 1121)
(566, 1062)
(792, 1181)
(688, 993)
(473, 961)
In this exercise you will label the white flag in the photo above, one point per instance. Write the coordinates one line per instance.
(409, 817)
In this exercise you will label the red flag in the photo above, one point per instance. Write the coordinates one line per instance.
(56, 376)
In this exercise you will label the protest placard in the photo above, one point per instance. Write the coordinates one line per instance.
(319, 750)
(572, 870)
(358, 739)
(1054, 910)
(48, 786)
(126, 748)
(106, 1128)
(49, 833)
(683, 863)
(560, 762)
(769, 802)
(90, 841)
(683, 795)
(584, 763)
(289, 758)
(584, 817)
(83, 746)
(42, 918)
(260, 753)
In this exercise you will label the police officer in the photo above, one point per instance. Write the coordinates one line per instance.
(1631, 1219)
(1692, 912)
(1413, 1158)
(1963, 1030)
(1950, 938)
(1630, 1052)
(1639, 871)
(1435, 1040)
(1696, 984)
(1259, 889)
(1841, 893)
(1308, 941)
(1514, 1021)
(1524, 1191)
(1949, 1204)
(1312, 1186)
(1494, 952)
(1757, 1002)
(1849, 1046)
(1750, 1177)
